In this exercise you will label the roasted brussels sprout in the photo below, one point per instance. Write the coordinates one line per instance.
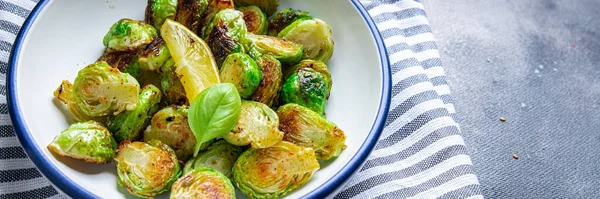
(314, 34)
(153, 56)
(268, 89)
(170, 126)
(101, 90)
(256, 20)
(219, 156)
(306, 128)
(129, 124)
(226, 34)
(64, 93)
(203, 183)
(158, 11)
(214, 6)
(122, 60)
(275, 171)
(315, 65)
(268, 6)
(241, 70)
(190, 13)
(258, 126)
(286, 52)
(128, 34)
(146, 169)
(171, 85)
(308, 88)
(284, 18)
(87, 141)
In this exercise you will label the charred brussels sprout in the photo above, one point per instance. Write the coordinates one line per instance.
(268, 89)
(314, 34)
(268, 6)
(275, 171)
(315, 65)
(219, 156)
(129, 124)
(284, 18)
(307, 128)
(170, 126)
(190, 13)
(214, 6)
(125, 61)
(64, 93)
(308, 88)
(258, 126)
(100, 90)
(146, 169)
(203, 183)
(256, 20)
(226, 34)
(121, 60)
(153, 56)
(128, 34)
(171, 85)
(241, 70)
(158, 11)
(87, 141)
(286, 52)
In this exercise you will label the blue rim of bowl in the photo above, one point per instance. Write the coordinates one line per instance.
(70, 188)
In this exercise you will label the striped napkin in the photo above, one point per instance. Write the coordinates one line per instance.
(420, 154)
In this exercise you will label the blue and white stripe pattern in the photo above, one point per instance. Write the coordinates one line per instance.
(420, 154)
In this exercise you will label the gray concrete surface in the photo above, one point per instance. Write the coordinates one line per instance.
(537, 63)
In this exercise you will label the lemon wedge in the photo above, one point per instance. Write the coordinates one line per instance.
(196, 66)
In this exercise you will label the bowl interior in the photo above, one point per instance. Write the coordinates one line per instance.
(67, 35)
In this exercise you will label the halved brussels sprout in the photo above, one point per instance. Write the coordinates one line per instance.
(275, 171)
(268, 89)
(128, 34)
(286, 52)
(241, 70)
(214, 6)
(64, 93)
(129, 124)
(258, 126)
(87, 141)
(101, 90)
(219, 156)
(171, 85)
(170, 126)
(306, 128)
(125, 61)
(153, 56)
(190, 13)
(146, 169)
(158, 11)
(119, 59)
(203, 183)
(268, 6)
(226, 34)
(308, 88)
(256, 20)
(314, 34)
(284, 18)
(315, 65)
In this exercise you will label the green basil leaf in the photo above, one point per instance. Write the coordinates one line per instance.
(214, 112)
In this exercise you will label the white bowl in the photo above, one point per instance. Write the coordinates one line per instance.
(62, 36)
